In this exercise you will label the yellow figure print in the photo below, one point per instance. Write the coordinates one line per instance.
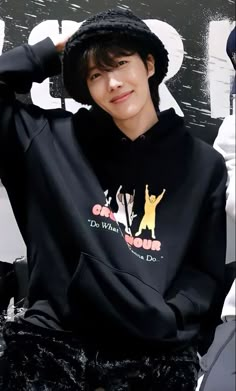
(149, 218)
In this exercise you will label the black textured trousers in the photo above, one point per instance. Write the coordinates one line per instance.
(39, 359)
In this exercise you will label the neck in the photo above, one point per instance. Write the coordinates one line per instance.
(137, 125)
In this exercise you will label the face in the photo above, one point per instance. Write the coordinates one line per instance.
(123, 91)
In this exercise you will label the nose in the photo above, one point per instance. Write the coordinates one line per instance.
(113, 81)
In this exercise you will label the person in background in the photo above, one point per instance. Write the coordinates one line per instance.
(218, 365)
(117, 291)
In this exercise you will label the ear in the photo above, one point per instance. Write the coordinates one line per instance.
(150, 65)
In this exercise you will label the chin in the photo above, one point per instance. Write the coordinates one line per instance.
(125, 114)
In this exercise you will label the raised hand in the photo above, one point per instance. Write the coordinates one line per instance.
(60, 40)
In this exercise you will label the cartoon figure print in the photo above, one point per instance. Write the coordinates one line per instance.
(108, 199)
(149, 218)
(125, 214)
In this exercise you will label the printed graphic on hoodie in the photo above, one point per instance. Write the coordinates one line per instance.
(149, 219)
(125, 216)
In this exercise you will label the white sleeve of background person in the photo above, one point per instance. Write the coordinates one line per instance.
(229, 309)
(225, 144)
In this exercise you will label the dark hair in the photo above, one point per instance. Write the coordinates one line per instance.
(104, 52)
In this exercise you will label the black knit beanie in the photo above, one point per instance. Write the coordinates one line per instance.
(116, 22)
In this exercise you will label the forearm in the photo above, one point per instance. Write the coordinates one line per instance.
(22, 66)
(194, 294)
(19, 68)
(200, 280)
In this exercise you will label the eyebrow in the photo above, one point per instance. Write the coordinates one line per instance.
(92, 69)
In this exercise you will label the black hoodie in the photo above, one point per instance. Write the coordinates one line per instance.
(125, 239)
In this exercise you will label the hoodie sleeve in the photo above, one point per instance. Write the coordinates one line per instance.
(200, 281)
(19, 68)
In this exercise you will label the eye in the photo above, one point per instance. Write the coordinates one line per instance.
(121, 62)
(94, 76)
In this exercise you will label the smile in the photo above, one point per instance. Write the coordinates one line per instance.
(121, 98)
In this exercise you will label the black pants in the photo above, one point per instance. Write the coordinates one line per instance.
(41, 359)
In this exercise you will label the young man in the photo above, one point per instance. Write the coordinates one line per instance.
(118, 288)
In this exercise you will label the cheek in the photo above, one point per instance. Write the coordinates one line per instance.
(90, 88)
(138, 76)
(93, 94)
(96, 91)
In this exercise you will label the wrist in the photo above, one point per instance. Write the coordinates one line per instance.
(59, 43)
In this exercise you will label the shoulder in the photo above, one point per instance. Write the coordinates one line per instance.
(80, 118)
(206, 152)
(228, 125)
(210, 163)
(225, 140)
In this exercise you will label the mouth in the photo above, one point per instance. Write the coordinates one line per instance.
(121, 98)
